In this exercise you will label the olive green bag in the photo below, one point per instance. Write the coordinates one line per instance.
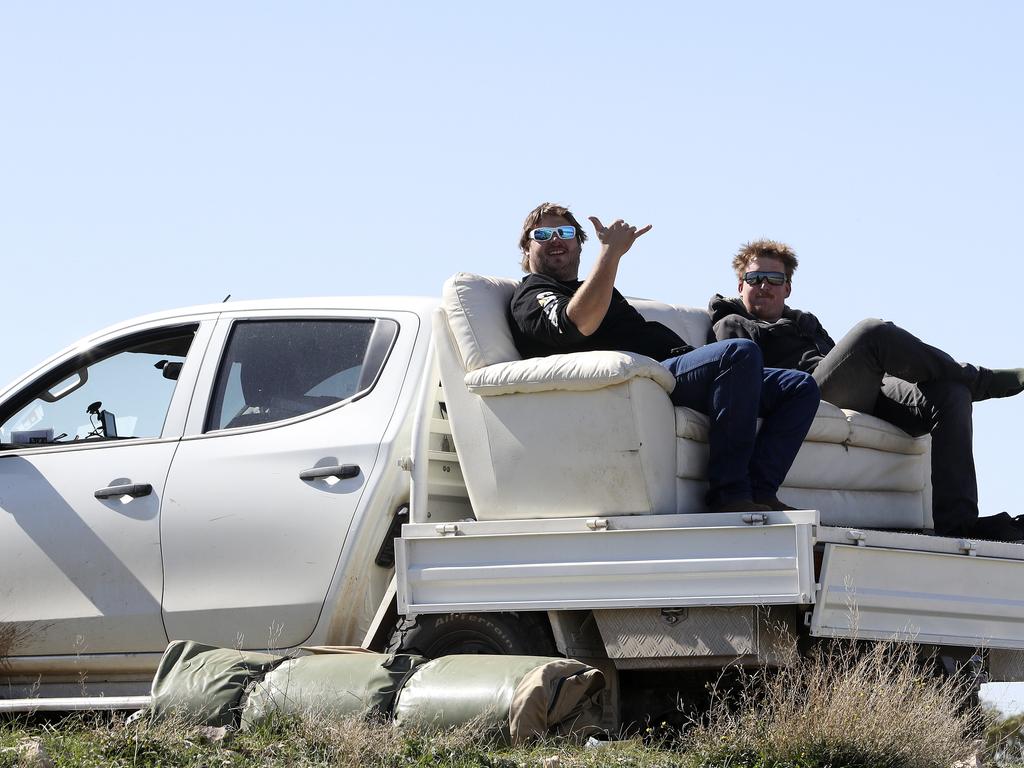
(204, 685)
(331, 685)
(511, 698)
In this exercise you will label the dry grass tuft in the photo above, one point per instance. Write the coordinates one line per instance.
(349, 742)
(872, 706)
(11, 636)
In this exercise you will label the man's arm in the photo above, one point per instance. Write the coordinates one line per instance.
(736, 327)
(810, 325)
(590, 303)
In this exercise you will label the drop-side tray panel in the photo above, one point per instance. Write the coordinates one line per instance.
(614, 562)
(946, 595)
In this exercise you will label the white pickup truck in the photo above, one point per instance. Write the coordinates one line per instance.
(236, 474)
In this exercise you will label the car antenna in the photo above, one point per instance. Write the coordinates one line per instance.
(225, 299)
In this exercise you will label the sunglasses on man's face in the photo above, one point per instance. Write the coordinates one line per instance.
(546, 233)
(772, 278)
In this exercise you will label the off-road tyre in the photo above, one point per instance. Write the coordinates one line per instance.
(434, 635)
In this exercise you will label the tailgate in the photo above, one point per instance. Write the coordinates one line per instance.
(878, 585)
(613, 562)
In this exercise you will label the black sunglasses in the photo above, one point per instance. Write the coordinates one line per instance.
(772, 278)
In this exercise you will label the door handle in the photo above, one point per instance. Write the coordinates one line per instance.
(134, 490)
(341, 471)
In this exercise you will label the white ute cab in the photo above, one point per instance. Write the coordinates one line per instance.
(235, 474)
(239, 495)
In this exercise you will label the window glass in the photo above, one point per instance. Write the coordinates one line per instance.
(121, 390)
(279, 369)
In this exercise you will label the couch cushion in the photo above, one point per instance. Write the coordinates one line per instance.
(830, 425)
(871, 432)
(827, 466)
(477, 311)
(690, 323)
(870, 509)
(577, 372)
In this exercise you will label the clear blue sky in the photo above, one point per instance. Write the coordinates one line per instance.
(158, 155)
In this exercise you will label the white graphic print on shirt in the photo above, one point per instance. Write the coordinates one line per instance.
(549, 303)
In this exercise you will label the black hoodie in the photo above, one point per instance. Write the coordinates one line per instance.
(796, 340)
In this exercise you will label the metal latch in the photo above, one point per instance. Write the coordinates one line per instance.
(405, 463)
(755, 518)
(968, 547)
(674, 615)
(447, 529)
(597, 524)
(858, 536)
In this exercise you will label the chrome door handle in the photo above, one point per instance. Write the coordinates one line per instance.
(134, 490)
(341, 471)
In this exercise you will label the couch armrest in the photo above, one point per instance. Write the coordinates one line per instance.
(577, 371)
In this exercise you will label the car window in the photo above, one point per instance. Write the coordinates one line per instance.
(279, 369)
(116, 391)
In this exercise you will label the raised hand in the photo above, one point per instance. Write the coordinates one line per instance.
(618, 236)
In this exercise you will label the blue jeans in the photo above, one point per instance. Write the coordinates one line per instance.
(727, 380)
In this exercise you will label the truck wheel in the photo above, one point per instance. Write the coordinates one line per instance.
(448, 634)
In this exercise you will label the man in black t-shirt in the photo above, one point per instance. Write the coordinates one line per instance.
(553, 312)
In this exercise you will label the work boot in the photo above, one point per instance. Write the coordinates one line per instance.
(999, 527)
(740, 505)
(998, 382)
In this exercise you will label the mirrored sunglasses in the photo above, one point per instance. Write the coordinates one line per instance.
(546, 233)
(772, 278)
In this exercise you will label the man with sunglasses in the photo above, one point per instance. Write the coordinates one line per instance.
(554, 312)
(877, 368)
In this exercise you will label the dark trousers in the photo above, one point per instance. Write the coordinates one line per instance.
(728, 381)
(881, 369)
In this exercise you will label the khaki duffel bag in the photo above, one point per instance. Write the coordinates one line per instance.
(333, 686)
(203, 685)
(512, 698)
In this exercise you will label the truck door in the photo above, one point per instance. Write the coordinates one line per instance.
(276, 458)
(86, 446)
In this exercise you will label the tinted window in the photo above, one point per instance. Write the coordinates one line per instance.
(279, 369)
(119, 390)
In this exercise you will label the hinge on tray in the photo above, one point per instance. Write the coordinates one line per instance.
(597, 524)
(968, 547)
(858, 536)
(447, 529)
(755, 518)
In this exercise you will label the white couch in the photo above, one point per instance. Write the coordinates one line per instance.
(595, 433)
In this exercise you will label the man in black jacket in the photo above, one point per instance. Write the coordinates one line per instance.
(877, 368)
(554, 312)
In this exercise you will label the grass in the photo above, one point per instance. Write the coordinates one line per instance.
(849, 706)
(90, 742)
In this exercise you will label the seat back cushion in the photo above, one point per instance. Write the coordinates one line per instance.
(689, 322)
(477, 309)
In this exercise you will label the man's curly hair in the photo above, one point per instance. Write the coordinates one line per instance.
(533, 221)
(773, 249)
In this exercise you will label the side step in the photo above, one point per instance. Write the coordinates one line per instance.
(75, 704)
